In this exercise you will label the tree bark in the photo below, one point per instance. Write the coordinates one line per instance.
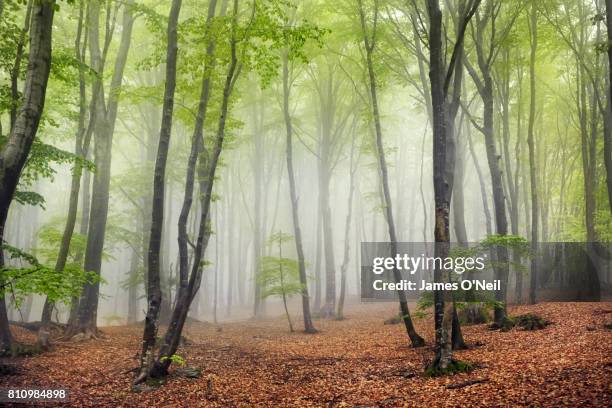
(347, 231)
(484, 86)
(206, 173)
(532, 153)
(17, 148)
(608, 113)
(154, 293)
(308, 325)
(106, 116)
(444, 152)
(83, 138)
(369, 43)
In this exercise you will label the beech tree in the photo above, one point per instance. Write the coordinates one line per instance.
(15, 150)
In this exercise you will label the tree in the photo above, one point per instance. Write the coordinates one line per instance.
(82, 141)
(533, 41)
(444, 112)
(308, 326)
(105, 119)
(15, 150)
(487, 43)
(153, 285)
(347, 225)
(280, 276)
(608, 113)
(369, 44)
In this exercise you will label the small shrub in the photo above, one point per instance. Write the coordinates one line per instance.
(473, 314)
(397, 319)
(505, 325)
(530, 322)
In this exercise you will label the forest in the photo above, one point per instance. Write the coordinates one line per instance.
(193, 193)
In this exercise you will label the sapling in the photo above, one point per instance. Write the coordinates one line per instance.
(279, 276)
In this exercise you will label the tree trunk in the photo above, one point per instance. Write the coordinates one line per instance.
(369, 44)
(17, 148)
(308, 326)
(282, 283)
(83, 138)
(329, 307)
(317, 265)
(485, 89)
(347, 231)
(481, 182)
(154, 293)
(132, 313)
(442, 301)
(106, 116)
(532, 154)
(206, 174)
(608, 113)
(258, 170)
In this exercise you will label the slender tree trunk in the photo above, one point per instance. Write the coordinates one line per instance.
(369, 45)
(308, 326)
(317, 265)
(481, 183)
(84, 225)
(347, 231)
(532, 154)
(154, 293)
(132, 313)
(83, 138)
(206, 173)
(608, 113)
(282, 283)
(329, 307)
(16, 149)
(197, 148)
(258, 172)
(485, 89)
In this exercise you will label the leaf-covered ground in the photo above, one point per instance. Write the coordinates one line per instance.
(355, 362)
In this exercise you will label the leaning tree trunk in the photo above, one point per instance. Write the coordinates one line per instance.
(17, 148)
(154, 293)
(369, 44)
(208, 164)
(308, 326)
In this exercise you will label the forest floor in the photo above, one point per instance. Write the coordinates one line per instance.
(354, 362)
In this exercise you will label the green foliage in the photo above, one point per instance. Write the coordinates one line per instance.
(176, 359)
(42, 156)
(50, 237)
(33, 277)
(484, 301)
(514, 242)
(30, 198)
(279, 276)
